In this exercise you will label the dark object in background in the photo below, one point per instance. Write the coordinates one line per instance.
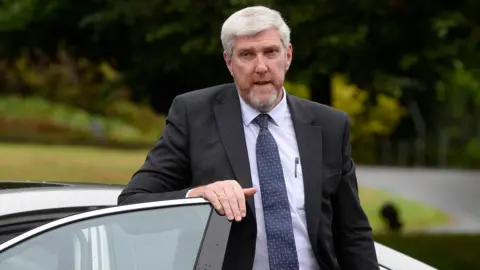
(390, 214)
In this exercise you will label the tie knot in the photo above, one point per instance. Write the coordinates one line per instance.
(262, 120)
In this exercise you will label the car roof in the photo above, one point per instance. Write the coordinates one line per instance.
(26, 196)
(15, 184)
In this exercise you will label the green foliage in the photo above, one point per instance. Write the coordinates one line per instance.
(372, 115)
(458, 94)
(141, 117)
(36, 117)
(368, 119)
(458, 86)
(74, 84)
(473, 149)
(413, 51)
(16, 14)
(297, 89)
(67, 80)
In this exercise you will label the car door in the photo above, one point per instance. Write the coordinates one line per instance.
(170, 235)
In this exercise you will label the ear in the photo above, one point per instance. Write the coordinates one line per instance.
(228, 61)
(289, 56)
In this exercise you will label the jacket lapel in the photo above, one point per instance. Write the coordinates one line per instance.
(309, 140)
(230, 125)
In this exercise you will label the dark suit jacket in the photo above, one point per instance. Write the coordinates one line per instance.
(204, 142)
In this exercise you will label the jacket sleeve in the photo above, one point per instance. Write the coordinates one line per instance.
(165, 174)
(351, 229)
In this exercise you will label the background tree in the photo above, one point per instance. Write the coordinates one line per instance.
(424, 54)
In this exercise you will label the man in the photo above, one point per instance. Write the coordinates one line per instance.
(276, 165)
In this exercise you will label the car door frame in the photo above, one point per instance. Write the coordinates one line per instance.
(214, 240)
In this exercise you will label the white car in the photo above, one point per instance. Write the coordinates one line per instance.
(57, 226)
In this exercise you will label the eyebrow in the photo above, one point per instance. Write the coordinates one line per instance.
(269, 47)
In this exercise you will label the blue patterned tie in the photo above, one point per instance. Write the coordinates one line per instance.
(282, 253)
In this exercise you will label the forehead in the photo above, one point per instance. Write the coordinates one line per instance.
(267, 38)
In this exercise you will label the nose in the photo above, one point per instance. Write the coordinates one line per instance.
(260, 66)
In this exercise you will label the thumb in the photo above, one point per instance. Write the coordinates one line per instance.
(249, 191)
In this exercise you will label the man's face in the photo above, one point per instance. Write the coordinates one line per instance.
(258, 65)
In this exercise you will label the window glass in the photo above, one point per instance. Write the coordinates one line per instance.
(162, 238)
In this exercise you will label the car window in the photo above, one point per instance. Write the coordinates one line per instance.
(168, 237)
(18, 223)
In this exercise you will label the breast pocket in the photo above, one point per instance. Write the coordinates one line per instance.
(298, 187)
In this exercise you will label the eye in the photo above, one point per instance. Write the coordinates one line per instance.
(271, 52)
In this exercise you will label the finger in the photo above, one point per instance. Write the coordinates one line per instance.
(241, 199)
(211, 196)
(249, 191)
(233, 200)
(222, 197)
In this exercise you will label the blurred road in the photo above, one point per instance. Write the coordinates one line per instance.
(454, 191)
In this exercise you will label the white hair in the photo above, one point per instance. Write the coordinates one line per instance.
(250, 21)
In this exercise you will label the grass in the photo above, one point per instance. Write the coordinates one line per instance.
(442, 251)
(414, 215)
(88, 164)
(68, 163)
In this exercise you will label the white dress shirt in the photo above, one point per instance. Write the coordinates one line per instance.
(284, 134)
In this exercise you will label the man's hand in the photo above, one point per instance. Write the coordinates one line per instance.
(227, 196)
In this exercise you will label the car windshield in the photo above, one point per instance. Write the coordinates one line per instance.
(166, 238)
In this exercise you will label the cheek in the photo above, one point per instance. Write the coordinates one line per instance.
(281, 66)
(242, 72)
(279, 70)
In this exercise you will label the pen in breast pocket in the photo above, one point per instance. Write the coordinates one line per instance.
(297, 161)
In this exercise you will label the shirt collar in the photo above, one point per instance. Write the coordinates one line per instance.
(277, 113)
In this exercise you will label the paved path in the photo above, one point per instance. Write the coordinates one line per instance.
(456, 192)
